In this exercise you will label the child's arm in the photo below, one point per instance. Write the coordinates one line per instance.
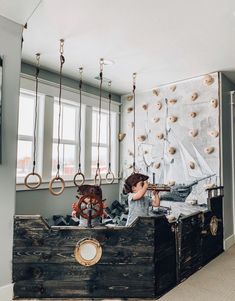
(139, 194)
(155, 199)
(104, 215)
(75, 209)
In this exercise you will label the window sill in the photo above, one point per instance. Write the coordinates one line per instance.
(68, 184)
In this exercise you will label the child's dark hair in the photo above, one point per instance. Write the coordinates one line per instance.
(126, 189)
(90, 189)
(132, 180)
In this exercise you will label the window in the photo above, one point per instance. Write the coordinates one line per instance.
(47, 133)
(104, 141)
(25, 134)
(68, 139)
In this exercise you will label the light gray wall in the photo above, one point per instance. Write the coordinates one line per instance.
(67, 81)
(42, 202)
(226, 149)
(10, 48)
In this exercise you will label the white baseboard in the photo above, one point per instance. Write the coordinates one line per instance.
(229, 242)
(6, 292)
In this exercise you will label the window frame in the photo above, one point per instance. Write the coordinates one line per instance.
(30, 138)
(105, 145)
(74, 142)
(49, 91)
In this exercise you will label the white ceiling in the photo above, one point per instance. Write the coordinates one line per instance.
(18, 11)
(162, 40)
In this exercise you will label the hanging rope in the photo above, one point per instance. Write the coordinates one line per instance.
(79, 182)
(97, 178)
(33, 173)
(133, 91)
(57, 177)
(109, 175)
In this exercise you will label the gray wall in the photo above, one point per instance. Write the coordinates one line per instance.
(226, 148)
(67, 81)
(10, 48)
(43, 203)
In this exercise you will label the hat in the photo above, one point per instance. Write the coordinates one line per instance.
(132, 180)
(91, 190)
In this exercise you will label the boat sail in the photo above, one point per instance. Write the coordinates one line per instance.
(202, 162)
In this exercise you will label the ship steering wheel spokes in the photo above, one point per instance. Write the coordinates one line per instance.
(90, 203)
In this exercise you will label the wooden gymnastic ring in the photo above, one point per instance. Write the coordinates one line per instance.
(57, 178)
(81, 182)
(97, 175)
(109, 180)
(30, 186)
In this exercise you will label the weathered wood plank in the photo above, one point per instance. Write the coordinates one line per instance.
(77, 272)
(28, 237)
(211, 245)
(110, 255)
(71, 289)
(132, 258)
(87, 299)
(33, 221)
(189, 244)
(164, 257)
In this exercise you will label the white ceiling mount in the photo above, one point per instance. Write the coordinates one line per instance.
(108, 62)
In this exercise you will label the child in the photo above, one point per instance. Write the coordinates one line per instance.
(136, 186)
(87, 190)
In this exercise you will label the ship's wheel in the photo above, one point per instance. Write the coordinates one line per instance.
(90, 207)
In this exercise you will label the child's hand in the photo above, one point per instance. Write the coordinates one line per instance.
(146, 185)
(74, 206)
(155, 192)
(74, 213)
(155, 198)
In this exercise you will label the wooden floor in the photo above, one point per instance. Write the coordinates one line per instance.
(216, 281)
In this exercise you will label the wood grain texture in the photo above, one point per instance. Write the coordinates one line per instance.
(188, 238)
(211, 245)
(88, 299)
(142, 261)
(44, 265)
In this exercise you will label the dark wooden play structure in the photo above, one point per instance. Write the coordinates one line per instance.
(144, 260)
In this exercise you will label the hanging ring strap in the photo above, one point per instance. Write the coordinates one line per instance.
(133, 91)
(79, 177)
(33, 185)
(33, 173)
(57, 177)
(109, 175)
(52, 181)
(97, 178)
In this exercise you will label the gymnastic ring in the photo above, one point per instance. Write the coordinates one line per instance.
(97, 175)
(30, 186)
(109, 180)
(57, 178)
(79, 182)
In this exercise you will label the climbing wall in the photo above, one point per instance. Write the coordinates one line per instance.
(177, 133)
